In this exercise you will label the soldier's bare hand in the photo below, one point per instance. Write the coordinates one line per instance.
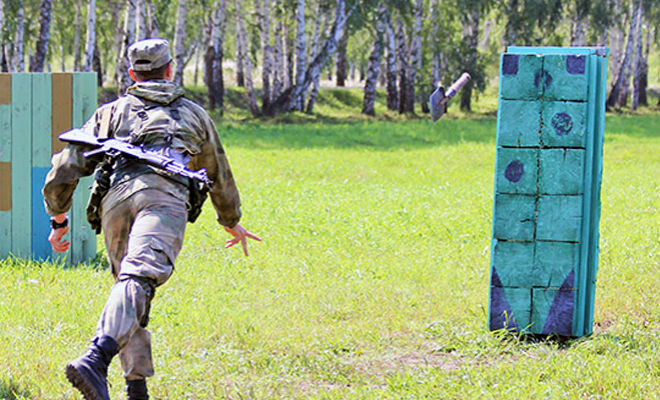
(240, 234)
(55, 238)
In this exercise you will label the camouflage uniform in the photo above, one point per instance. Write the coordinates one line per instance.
(144, 213)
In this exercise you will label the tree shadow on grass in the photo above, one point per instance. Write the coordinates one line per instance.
(10, 390)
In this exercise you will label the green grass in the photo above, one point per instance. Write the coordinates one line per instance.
(371, 281)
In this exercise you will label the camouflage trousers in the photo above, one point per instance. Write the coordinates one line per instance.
(143, 235)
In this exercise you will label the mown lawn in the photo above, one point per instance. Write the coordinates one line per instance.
(371, 281)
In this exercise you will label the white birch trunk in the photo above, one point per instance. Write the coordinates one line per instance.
(216, 90)
(263, 8)
(435, 55)
(402, 66)
(76, 37)
(278, 53)
(19, 65)
(37, 62)
(180, 41)
(318, 28)
(415, 55)
(301, 56)
(371, 83)
(247, 63)
(618, 94)
(152, 21)
(288, 57)
(128, 37)
(391, 88)
(638, 65)
(90, 40)
(140, 20)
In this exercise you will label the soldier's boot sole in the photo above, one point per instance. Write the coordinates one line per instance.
(83, 380)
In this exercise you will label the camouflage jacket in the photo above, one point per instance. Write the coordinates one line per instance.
(151, 112)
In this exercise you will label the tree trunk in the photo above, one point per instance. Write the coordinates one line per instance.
(289, 58)
(128, 37)
(90, 40)
(247, 62)
(636, 32)
(152, 21)
(318, 28)
(390, 62)
(216, 88)
(180, 41)
(140, 20)
(340, 66)
(579, 23)
(39, 58)
(436, 72)
(240, 54)
(301, 56)
(470, 22)
(415, 55)
(639, 84)
(278, 54)
(263, 8)
(620, 81)
(76, 38)
(512, 26)
(97, 65)
(371, 83)
(402, 61)
(19, 48)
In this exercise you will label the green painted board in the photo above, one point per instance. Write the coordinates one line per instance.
(564, 124)
(517, 171)
(514, 262)
(21, 172)
(514, 217)
(553, 311)
(519, 123)
(5, 180)
(553, 261)
(521, 77)
(520, 300)
(561, 171)
(559, 218)
(568, 75)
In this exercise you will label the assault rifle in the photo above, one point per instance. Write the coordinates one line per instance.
(114, 147)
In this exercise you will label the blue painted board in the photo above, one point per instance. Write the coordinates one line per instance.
(21, 145)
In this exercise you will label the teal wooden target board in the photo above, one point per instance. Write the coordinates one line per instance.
(548, 168)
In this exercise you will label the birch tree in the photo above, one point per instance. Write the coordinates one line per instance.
(375, 57)
(38, 59)
(127, 38)
(152, 21)
(301, 58)
(278, 53)
(140, 20)
(622, 78)
(390, 63)
(638, 62)
(319, 31)
(263, 10)
(76, 37)
(247, 63)
(341, 63)
(90, 41)
(640, 83)
(402, 66)
(415, 54)
(180, 41)
(216, 79)
(19, 45)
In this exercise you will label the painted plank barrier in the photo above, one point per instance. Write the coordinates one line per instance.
(34, 109)
(546, 208)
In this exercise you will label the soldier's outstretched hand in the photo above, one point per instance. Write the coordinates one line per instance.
(56, 236)
(240, 234)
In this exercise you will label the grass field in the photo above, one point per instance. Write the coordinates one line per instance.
(371, 281)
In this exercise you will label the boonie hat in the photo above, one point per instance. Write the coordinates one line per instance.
(149, 54)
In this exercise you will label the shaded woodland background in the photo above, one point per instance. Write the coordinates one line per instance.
(282, 51)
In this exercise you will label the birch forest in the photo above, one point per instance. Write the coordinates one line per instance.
(283, 51)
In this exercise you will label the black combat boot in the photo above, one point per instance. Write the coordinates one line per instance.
(89, 373)
(137, 389)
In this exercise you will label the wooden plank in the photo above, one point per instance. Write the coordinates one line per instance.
(519, 123)
(521, 77)
(559, 218)
(5, 180)
(568, 76)
(510, 308)
(21, 128)
(5, 89)
(62, 117)
(561, 171)
(564, 124)
(553, 311)
(41, 152)
(83, 244)
(514, 217)
(553, 261)
(516, 171)
(514, 262)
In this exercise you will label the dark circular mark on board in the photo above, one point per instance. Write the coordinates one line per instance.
(514, 171)
(510, 64)
(542, 78)
(575, 64)
(562, 123)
